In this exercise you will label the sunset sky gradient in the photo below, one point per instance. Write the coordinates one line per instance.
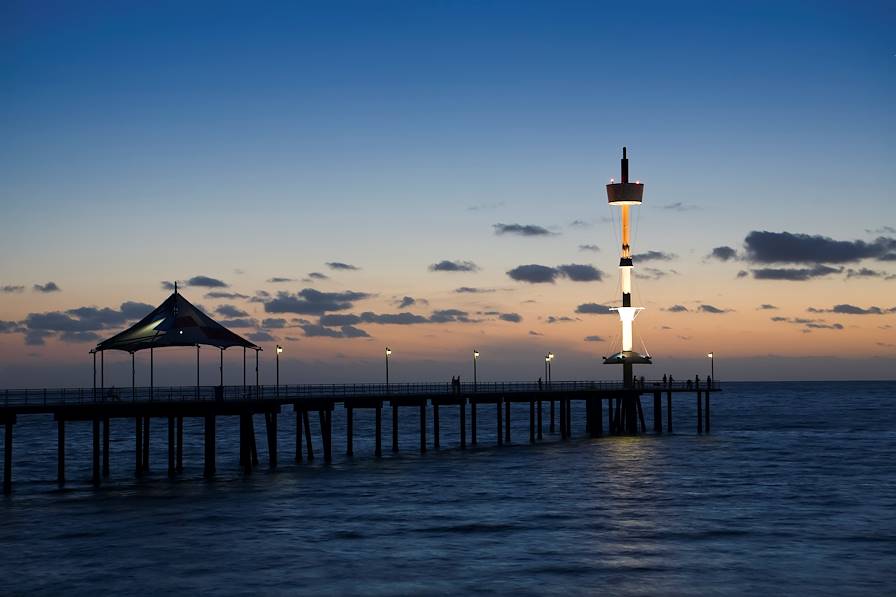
(439, 146)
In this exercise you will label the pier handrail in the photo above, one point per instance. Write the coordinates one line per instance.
(293, 392)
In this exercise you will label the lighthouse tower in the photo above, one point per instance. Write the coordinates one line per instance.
(626, 195)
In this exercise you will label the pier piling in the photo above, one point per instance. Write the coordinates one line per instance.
(349, 431)
(423, 427)
(394, 426)
(463, 424)
(7, 458)
(379, 430)
(436, 443)
(105, 447)
(507, 421)
(473, 422)
(95, 478)
(60, 449)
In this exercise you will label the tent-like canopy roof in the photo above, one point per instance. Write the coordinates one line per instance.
(176, 322)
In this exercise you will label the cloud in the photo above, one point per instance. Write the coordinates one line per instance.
(450, 316)
(37, 337)
(723, 253)
(206, 282)
(786, 247)
(794, 274)
(273, 323)
(406, 301)
(592, 248)
(809, 324)
(581, 272)
(534, 333)
(318, 276)
(9, 327)
(521, 230)
(48, 287)
(711, 309)
(277, 280)
(511, 317)
(652, 273)
(338, 265)
(679, 206)
(654, 256)
(765, 307)
(453, 266)
(676, 309)
(470, 290)
(217, 294)
(484, 206)
(594, 309)
(79, 337)
(230, 311)
(11, 289)
(404, 318)
(241, 322)
(594, 339)
(309, 301)
(542, 274)
(580, 224)
(534, 274)
(865, 272)
(347, 331)
(743, 273)
(260, 336)
(847, 309)
(560, 319)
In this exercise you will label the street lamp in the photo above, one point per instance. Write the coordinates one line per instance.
(475, 358)
(279, 350)
(388, 354)
(712, 365)
(550, 358)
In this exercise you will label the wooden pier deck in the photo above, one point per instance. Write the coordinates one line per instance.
(624, 414)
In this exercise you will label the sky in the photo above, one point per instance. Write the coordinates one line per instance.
(338, 177)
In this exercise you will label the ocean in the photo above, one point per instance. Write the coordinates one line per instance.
(793, 493)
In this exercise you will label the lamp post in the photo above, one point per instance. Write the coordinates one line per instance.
(279, 350)
(475, 358)
(712, 365)
(550, 359)
(388, 354)
(547, 360)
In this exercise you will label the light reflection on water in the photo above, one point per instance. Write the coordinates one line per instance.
(793, 492)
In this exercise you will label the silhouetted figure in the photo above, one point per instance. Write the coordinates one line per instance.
(690, 384)
(540, 385)
(708, 381)
(697, 381)
(670, 381)
(664, 379)
(642, 382)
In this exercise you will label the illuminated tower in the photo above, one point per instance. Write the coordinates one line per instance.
(625, 195)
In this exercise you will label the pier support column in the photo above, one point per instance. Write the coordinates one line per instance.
(105, 447)
(462, 415)
(349, 431)
(610, 428)
(60, 452)
(394, 426)
(500, 433)
(378, 450)
(95, 478)
(598, 428)
(253, 448)
(472, 422)
(7, 458)
(423, 427)
(145, 444)
(657, 412)
(562, 419)
(551, 427)
(531, 421)
(210, 441)
(326, 419)
(298, 414)
(707, 411)
(138, 441)
(669, 411)
(171, 447)
(272, 439)
(699, 411)
(179, 465)
(539, 424)
(309, 445)
(506, 421)
(436, 435)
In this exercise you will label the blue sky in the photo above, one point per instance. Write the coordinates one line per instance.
(155, 142)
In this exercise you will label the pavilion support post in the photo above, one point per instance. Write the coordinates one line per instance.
(133, 380)
(462, 415)
(96, 451)
(197, 372)
(171, 447)
(394, 426)
(102, 374)
(210, 444)
(349, 431)
(657, 412)
(436, 435)
(138, 440)
(531, 421)
(551, 424)
(669, 411)
(244, 371)
(507, 421)
(378, 449)
(60, 452)
(309, 445)
(257, 387)
(221, 373)
(179, 466)
(151, 374)
(106, 447)
(146, 444)
(423, 427)
(473, 422)
(7, 458)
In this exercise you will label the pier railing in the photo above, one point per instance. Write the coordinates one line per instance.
(292, 392)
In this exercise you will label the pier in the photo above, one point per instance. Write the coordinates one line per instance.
(616, 402)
